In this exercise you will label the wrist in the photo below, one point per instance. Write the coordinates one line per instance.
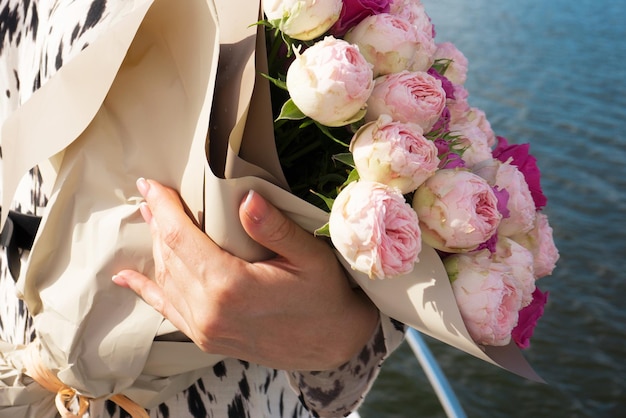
(360, 324)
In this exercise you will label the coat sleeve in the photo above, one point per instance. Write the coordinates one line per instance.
(336, 393)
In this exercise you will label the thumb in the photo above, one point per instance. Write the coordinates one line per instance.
(268, 226)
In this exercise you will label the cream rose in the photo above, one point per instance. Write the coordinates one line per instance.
(415, 13)
(330, 82)
(540, 242)
(520, 205)
(392, 44)
(394, 153)
(456, 71)
(457, 209)
(521, 262)
(476, 143)
(302, 19)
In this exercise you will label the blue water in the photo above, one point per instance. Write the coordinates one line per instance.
(551, 73)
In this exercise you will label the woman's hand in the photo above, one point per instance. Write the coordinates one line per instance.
(295, 311)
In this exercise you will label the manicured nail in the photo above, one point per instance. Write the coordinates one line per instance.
(119, 280)
(255, 207)
(143, 186)
(145, 211)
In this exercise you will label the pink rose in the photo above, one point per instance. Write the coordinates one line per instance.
(477, 117)
(413, 97)
(486, 295)
(394, 153)
(375, 230)
(446, 84)
(457, 209)
(330, 82)
(520, 205)
(458, 105)
(302, 19)
(354, 11)
(456, 71)
(528, 318)
(527, 164)
(476, 142)
(391, 44)
(521, 262)
(540, 242)
(414, 12)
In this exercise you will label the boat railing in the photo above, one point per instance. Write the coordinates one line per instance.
(435, 375)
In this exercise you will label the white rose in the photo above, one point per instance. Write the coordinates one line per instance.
(302, 19)
(394, 153)
(392, 44)
(330, 82)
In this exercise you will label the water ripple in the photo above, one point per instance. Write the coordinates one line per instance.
(551, 74)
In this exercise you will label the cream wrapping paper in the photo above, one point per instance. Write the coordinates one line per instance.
(136, 103)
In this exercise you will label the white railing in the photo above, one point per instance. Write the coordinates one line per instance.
(435, 375)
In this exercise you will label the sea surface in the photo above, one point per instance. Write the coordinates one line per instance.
(552, 74)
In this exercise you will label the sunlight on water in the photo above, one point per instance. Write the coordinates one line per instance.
(551, 74)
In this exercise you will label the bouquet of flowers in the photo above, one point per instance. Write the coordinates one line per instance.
(373, 123)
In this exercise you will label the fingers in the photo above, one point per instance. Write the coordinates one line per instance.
(271, 228)
(152, 294)
(162, 202)
(170, 224)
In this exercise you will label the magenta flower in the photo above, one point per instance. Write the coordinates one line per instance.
(354, 11)
(447, 85)
(526, 163)
(443, 123)
(528, 318)
(503, 200)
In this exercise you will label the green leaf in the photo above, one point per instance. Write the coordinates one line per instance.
(324, 231)
(347, 158)
(353, 176)
(327, 132)
(276, 81)
(290, 111)
(441, 65)
(263, 22)
(306, 123)
(329, 202)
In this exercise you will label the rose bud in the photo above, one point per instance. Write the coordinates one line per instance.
(413, 97)
(415, 13)
(520, 205)
(394, 153)
(391, 44)
(375, 230)
(330, 82)
(486, 295)
(540, 242)
(457, 209)
(302, 19)
(456, 71)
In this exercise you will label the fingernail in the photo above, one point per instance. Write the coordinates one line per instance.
(143, 186)
(119, 280)
(255, 207)
(145, 211)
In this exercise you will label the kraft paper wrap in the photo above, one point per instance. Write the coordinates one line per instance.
(138, 102)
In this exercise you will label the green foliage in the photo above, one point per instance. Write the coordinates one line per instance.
(315, 158)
